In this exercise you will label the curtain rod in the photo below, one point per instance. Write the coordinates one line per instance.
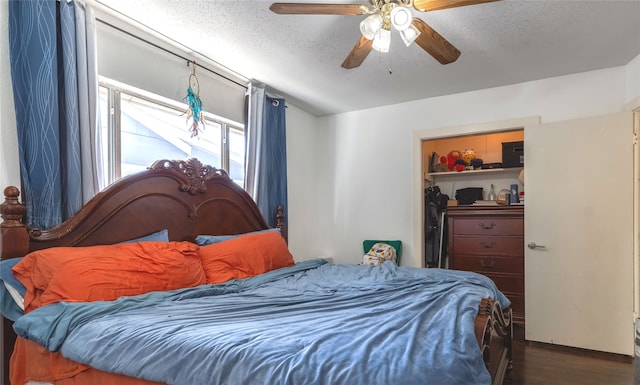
(189, 61)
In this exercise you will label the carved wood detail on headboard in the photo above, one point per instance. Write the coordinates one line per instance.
(191, 173)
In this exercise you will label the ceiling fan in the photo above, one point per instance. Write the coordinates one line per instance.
(385, 15)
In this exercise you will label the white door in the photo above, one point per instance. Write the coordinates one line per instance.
(579, 208)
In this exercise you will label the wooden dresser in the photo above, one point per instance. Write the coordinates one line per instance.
(490, 240)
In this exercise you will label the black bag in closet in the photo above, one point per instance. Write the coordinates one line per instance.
(435, 203)
(466, 196)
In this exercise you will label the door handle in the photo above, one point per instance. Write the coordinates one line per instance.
(532, 245)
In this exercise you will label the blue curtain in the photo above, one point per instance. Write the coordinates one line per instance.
(266, 163)
(272, 189)
(54, 121)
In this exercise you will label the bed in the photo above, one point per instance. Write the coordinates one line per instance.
(207, 320)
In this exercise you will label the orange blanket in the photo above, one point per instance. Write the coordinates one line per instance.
(32, 362)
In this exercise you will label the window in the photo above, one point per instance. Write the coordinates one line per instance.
(138, 128)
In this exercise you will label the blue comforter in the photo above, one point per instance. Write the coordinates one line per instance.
(312, 323)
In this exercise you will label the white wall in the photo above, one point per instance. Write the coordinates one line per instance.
(369, 185)
(633, 83)
(302, 152)
(9, 171)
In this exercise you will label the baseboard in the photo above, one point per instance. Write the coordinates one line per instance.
(582, 352)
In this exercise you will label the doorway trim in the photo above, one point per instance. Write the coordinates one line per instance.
(418, 174)
(636, 212)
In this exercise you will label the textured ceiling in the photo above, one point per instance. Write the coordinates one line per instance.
(299, 56)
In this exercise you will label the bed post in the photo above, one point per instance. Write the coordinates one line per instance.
(14, 242)
(14, 238)
(280, 222)
(494, 331)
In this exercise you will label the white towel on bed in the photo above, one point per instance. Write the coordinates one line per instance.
(379, 254)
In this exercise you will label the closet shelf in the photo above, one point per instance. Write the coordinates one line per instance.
(462, 174)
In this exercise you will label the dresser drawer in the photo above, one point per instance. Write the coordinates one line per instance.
(489, 226)
(477, 245)
(488, 264)
(507, 283)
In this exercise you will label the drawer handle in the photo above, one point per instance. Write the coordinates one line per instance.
(487, 246)
(487, 227)
(487, 264)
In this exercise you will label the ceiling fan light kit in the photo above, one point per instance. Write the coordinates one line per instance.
(371, 25)
(409, 35)
(382, 40)
(401, 18)
(385, 15)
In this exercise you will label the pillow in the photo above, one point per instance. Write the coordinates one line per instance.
(8, 306)
(12, 288)
(160, 236)
(245, 256)
(11, 291)
(107, 272)
(15, 287)
(203, 240)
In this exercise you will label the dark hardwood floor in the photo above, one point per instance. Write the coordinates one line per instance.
(541, 364)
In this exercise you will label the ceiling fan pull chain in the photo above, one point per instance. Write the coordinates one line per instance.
(389, 57)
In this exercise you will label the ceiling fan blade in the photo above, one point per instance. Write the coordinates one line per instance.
(436, 45)
(433, 5)
(358, 53)
(318, 9)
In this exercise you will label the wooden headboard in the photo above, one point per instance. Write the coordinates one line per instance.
(186, 198)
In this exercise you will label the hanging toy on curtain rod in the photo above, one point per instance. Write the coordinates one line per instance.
(195, 119)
